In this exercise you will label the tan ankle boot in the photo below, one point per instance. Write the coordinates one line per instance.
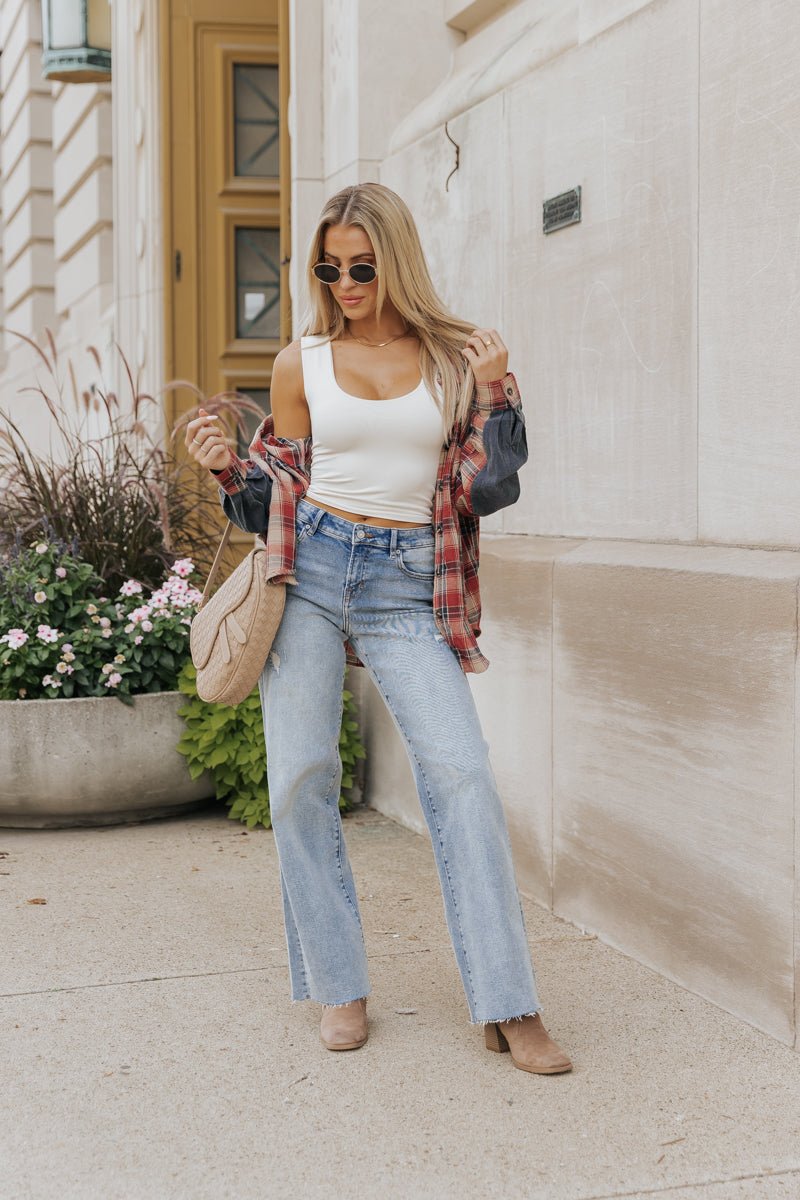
(532, 1048)
(344, 1026)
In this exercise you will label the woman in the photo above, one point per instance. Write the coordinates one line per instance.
(417, 431)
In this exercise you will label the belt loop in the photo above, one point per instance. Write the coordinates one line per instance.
(393, 540)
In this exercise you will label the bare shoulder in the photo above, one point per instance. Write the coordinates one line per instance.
(288, 361)
(287, 393)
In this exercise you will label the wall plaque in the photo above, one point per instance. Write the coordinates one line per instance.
(564, 209)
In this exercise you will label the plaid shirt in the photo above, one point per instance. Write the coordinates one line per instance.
(477, 475)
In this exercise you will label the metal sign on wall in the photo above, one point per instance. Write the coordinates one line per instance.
(564, 209)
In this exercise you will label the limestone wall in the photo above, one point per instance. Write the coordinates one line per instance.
(641, 597)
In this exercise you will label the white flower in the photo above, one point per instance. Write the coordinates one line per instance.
(108, 633)
(184, 566)
(129, 628)
(68, 656)
(118, 658)
(41, 548)
(105, 622)
(114, 679)
(15, 638)
(147, 626)
(40, 597)
(51, 681)
(64, 668)
(91, 609)
(186, 620)
(107, 668)
(46, 634)
(61, 572)
(140, 613)
(131, 587)
(95, 619)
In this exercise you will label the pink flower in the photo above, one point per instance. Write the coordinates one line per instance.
(184, 566)
(114, 679)
(67, 646)
(105, 622)
(15, 638)
(45, 634)
(138, 639)
(61, 572)
(131, 587)
(147, 626)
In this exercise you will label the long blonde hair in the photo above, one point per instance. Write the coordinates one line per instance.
(404, 278)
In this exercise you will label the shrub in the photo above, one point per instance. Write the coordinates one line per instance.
(131, 505)
(61, 635)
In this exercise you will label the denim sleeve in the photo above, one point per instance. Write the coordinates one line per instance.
(505, 444)
(249, 508)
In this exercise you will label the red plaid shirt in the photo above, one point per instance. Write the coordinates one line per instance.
(456, 592)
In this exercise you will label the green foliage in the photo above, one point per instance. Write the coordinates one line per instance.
(228, 742)
(59, 636)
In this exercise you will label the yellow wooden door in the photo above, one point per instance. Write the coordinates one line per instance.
(227, 179)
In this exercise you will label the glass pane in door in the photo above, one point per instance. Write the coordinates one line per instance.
(258, 283)
(255, 119)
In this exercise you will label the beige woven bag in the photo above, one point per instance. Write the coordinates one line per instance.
(232, 633)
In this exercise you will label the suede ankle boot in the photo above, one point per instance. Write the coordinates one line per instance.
(344, 1026)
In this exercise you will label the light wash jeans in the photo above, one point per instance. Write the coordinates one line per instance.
(374, 585)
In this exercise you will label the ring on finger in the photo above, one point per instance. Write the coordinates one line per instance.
(197, 440)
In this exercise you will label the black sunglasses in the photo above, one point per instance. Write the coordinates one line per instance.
(359, 272)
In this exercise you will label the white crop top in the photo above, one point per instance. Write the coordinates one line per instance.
(376, 457)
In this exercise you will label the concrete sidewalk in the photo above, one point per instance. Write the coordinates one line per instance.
(150, 1050)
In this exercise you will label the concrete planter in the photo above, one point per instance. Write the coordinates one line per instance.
(94, 761)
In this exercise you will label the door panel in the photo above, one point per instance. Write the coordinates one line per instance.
(228, 307)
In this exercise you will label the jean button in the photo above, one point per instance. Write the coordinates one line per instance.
(359, 534)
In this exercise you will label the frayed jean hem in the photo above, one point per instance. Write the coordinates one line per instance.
(494, 1020)
(325, 1004)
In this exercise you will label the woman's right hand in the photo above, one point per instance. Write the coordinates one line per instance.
(206, 444)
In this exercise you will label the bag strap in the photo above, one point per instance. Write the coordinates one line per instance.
(215, 565)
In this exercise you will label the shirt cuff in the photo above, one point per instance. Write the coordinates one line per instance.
(497, 394)
(233, 478)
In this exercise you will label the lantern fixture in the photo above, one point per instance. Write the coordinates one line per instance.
(76, 40)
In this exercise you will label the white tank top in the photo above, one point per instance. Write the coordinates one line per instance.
(376, 457)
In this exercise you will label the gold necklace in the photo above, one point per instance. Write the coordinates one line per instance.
(378, 345)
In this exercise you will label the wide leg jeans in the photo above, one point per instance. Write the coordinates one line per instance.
(374, 585)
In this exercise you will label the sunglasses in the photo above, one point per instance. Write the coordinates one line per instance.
(358, 272)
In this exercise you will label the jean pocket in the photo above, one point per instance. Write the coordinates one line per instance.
(419, 562)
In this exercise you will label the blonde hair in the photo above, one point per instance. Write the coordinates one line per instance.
(403, 277)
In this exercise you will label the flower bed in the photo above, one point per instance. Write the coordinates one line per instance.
(62, 637)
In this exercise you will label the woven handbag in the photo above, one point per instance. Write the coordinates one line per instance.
(232, 633)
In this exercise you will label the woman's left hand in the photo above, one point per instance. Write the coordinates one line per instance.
(487, 354)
